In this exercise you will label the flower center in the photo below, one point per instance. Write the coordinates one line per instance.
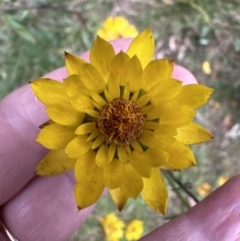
(120, 122)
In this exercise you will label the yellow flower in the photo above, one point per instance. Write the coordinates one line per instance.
(206, 67)
(113, 227)
(134, 230)
(204, 189)
(117, 27)
(117, 120)
(221, 180)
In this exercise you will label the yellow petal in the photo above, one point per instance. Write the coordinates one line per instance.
(55, 136)
(151, 125)
(101, 55)
(49, 91)
(133, 74)
(193, 95)
(156, 71)
(155, 193)
(93, 135)
(126, 91)
(122, 154)
(102, 156)
(118, 66)
(173, 115)
(97, 142)
(85, 167)
(86, 128)
(193, 134)
(92, 113)
(64, 114)
(180, 156)
(113, 174)
(150, 141)
(73, 63)
(88, 192)
(143, 47)
(113, 87)
(119, 198)
(112, 151)
(143, 100)
(137, 147)
(166, 133)
(73, 86)
(82, 103)
(135, 95)
(108, 96)
(132, 183)
(54, 163)
(165, 90)
(78, 146)
(148, 109)
(156, 157)
(91, 78)
(98, 99)
(140, 164)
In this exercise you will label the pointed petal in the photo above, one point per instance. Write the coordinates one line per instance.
(98, 99)
(88, 192)
(165, 90)
(156, 71)
(122, 154)
(156, 157)
(64, 114)
(143, 47)
(102, 156)
(133, 74)
(193, 134)
(135, 95)
(140, 164)
(193, 95)
(148, 109)
(119, 198)
(112, 151)
(132, 183)
(137, 147)
(173, 114)
(113, 174)
(151, 125)
(97, 142)
(118, 66)
(55, 136)
(91, 78)
(78, 146)
(108, 96)
(73, 86)
(85, 167)
(150, 141)
(54, 163)
(86, 128)
(143, 100)
(113, 87)
(92, 113)
(126, 91)
(180, 156)
(101, 55)
(49, 91)
(82, 103)
(166, 133)
(93, 135)
(155, 192)
(73, 63)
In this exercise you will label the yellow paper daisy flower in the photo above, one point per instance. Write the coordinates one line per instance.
(134, 230)
(117, 27)
(113, 227)
(117, 120)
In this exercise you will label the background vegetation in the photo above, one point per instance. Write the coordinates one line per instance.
(34, 34)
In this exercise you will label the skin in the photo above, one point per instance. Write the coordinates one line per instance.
(43, 208)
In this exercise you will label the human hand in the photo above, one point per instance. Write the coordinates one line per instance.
(43, 208)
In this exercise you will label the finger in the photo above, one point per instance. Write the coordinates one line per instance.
(20, 115)
(215, 218)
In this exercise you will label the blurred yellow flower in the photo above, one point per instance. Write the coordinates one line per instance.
(204, 189)
(221, 180)
(117, 27)
(206, 67)
(134, 230)
(117, 120)
(113, 227)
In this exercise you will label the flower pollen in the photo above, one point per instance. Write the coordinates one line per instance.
(121, 122)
